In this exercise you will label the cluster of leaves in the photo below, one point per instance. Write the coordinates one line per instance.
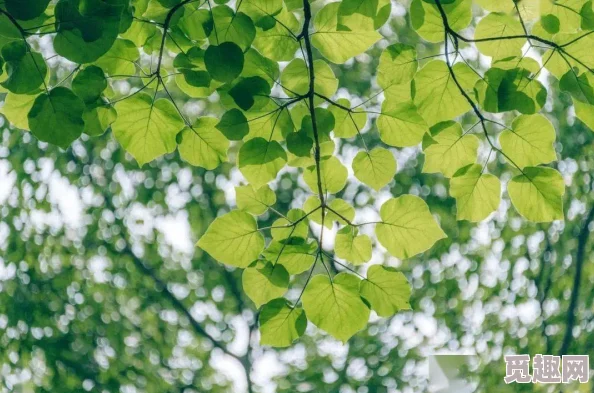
(290, 118)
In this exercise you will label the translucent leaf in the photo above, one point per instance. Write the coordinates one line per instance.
(537, 194)
(335, 306)
(407, 227)
(197, 23)
(16, 109)
(98, 118)
(264, 282)
(203, 145)
(387, 290)
(340, 43)
(584, 112)
(447, 150)
(400, 124)
(344, 210)
(426, 19)
(295, 254)
(277, 43)
(512, 89)
(499, 25)
(352, 247)
(436, 94)
(295, 225)
(146, 129)
(530, 141)
(261, 160)
(233, 239)
(281, 324)
(347, 124)
(333, 176)
(254, 200)
(56, 117)
(477, 194)
(398, 64)
(232, 27)
(375, 168)
(295, 78)
(120, 59)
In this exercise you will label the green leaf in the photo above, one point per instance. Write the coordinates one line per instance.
(400, 124)
(277, 43)
(261, 160)
(295, 254)
(344, 210)
(496, 25)
(375, 168)
(312, 206)
(299, 143)
(269, 123)
(579, 86)
(398, 64)
(513, 89)
(233, 239)
(335, 306)
(352, 247)
(436, 94)
(387, 290)
(347, 124)
(16, 109)
(257, 65)
(537, 194)
(339, 43)
(407, 227)
(449, 150)
(26, 10)
(197, 23)
(86, 29)
(25, 69)
(247, 90)
(230, 27)
(98, 116)
(264, 282)
(477, 194)
(254, 200)
(295, 78)
(584, 112)
(146, 129)
(426, 19)
(332, 173)
(89, 84)
(120, 59)
(233, 125)
(203, 145)
(530, 141)
(281, 324)
(295, 225)
(224, 62)
(56, 117)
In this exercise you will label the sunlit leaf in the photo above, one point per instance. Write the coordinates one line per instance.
(407, 227)
(233, 239)
(335, 306)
